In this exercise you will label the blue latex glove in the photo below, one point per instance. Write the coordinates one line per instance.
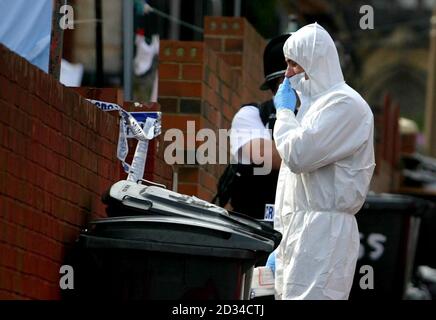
(285, 97)
(271, 262)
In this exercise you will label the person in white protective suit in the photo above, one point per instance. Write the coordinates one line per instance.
(327, 163)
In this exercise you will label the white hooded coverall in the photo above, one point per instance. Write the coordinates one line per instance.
(327, 163)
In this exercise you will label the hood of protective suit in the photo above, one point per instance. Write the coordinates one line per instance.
(314, 50)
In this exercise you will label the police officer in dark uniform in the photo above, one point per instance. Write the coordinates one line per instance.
(251, 132)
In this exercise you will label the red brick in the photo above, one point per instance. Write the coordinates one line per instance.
(215, 44)
(30, 285)
(205, 194)
(211, 60)
(114, 95)
(7, 63)
(54, 292)
(212, 81)
(3, 59)
(77, 132)
(10, 91)
(225, 73)
(190, 189)
(179, 121)
(169, 71)
(66, 126)
(4, 138)
(16, 213)
(53, 119)
(69, 233)
(14, 59)
(85, 155)
(12, 232)
(13, 187)
(232, 59)
(30, 263)
(68, 221)
(84, 203)
(108, 150)
(103, 185)
(23, 74)
(21, 124)
(235, 45)
(192, 72)
(169, 104)
(228, 114)
(105, 125)
(207, 180)
(7, 112)
(8, 255)
(57, 142)
(43, 86)
(104, 167)
(210, 113)
(6, 279)
(3, 157)
(180, 89)
(225, 93)
(23, 100)
(70, 101)
(45, 291)
(4, 87)
(235, 101)
(188, 174)
(212, 98)
(7, 295)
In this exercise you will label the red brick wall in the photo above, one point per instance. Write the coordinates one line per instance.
(206, 82)
(57, 156)
(241, 47)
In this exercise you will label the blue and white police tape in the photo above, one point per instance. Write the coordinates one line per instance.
(143, 126)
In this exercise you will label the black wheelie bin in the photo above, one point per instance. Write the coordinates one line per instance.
(389, 229)
(159, 244)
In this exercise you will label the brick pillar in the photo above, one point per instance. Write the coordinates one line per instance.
(180, 95)
(196, 86)
(239, 45)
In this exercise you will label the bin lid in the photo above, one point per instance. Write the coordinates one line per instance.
(395, 203)
(128, 198)
(175, 235)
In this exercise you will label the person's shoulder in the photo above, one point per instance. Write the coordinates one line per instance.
(247, 111)
(344, 103)
(346, 95)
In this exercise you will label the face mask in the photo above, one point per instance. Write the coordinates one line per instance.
(299, 83)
